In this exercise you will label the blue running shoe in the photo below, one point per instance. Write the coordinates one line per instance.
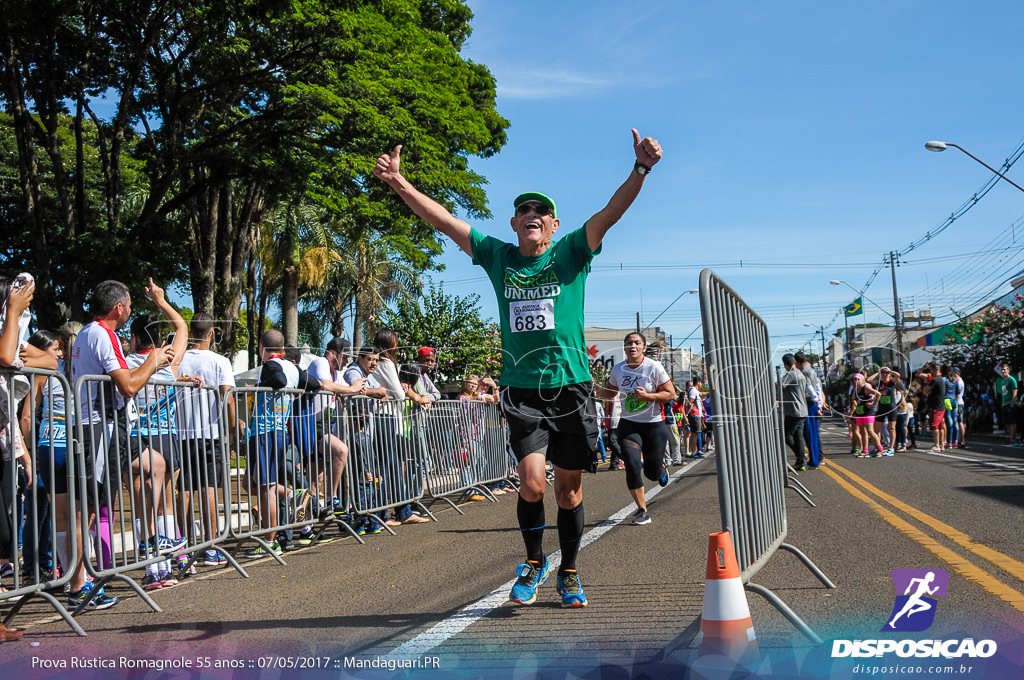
(213, 558)
(161, 545)
(571, 590)
(98, 601)
(531, 577)
(663, 480)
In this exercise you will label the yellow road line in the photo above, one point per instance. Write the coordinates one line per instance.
(962, 566)
(1004, 562)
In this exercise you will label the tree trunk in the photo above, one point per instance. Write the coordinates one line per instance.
(290, 283)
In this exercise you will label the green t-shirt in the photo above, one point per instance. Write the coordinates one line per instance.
(1005, 387)
(540, 303)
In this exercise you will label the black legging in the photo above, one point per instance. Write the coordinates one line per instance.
(794, 430)
(647, 438)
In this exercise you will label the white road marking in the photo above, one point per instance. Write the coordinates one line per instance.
(458, 622)
(973, 460)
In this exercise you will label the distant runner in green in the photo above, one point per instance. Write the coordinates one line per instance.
(540, 285)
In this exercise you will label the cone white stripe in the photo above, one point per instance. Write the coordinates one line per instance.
(724, 600)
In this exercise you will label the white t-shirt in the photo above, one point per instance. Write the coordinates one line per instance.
(648, 375)
(322, 371)
(200, 415)
(693, 394)
(97, 351)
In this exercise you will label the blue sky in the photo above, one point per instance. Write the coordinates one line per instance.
(794, 142)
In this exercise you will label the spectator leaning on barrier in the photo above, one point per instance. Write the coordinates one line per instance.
(266, 445)
(201, 426)
(51, 439)
(97, 352)
(794, 409)
(540, 287)
(158, 423)
(365, 367)
(37, 552)
(390, 423)
(15, 298)
(318, 419)
(427, 358)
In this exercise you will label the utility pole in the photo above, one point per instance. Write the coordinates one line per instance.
(896, 315)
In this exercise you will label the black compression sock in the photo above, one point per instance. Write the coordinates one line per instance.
(531, 523)
(570, 531)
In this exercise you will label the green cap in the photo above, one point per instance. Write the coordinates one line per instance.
(536, 197)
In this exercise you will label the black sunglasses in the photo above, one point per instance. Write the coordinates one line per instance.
(539, 208)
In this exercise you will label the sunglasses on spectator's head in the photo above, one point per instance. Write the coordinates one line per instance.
(538, 208)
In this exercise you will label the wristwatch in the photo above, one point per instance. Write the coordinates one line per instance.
(641, 169)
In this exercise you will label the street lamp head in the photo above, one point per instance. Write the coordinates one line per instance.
(808, 324)
(835, 282)
(935, 146)
(693, 291)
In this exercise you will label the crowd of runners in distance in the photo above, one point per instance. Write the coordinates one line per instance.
(886, 415)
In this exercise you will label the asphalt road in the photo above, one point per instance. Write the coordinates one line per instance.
(437, 592)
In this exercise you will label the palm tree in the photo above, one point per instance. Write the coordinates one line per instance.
(332, 266)
(377, 276)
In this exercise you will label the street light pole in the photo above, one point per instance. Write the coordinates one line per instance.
(691, 291)
(824, 364)
(941, 146)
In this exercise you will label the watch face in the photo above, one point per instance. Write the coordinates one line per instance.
(641, 169)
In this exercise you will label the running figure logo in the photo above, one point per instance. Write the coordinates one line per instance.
(915, 608)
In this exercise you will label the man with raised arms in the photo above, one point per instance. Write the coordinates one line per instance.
(540, 284)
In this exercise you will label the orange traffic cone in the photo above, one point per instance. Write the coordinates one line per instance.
(725, 627)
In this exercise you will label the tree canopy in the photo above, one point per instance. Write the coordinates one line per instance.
(162, 134)
(465, 342)
(980, 342)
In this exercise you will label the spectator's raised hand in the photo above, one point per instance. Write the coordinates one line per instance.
(20, 299)
(154, 292)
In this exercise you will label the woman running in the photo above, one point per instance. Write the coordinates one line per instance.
(645, 387)
(865, 400)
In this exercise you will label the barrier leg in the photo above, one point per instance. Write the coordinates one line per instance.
(54, 602)
(810, 565)
(784, 609)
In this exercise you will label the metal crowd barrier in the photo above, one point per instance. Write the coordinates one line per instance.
(144, 469)
(284, 465)
(749, 447)
(387, 468)
(466, 448)
(160, 466)
(45, 513)
(203, 482)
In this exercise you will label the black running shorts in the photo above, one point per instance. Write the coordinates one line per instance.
(561, 421)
